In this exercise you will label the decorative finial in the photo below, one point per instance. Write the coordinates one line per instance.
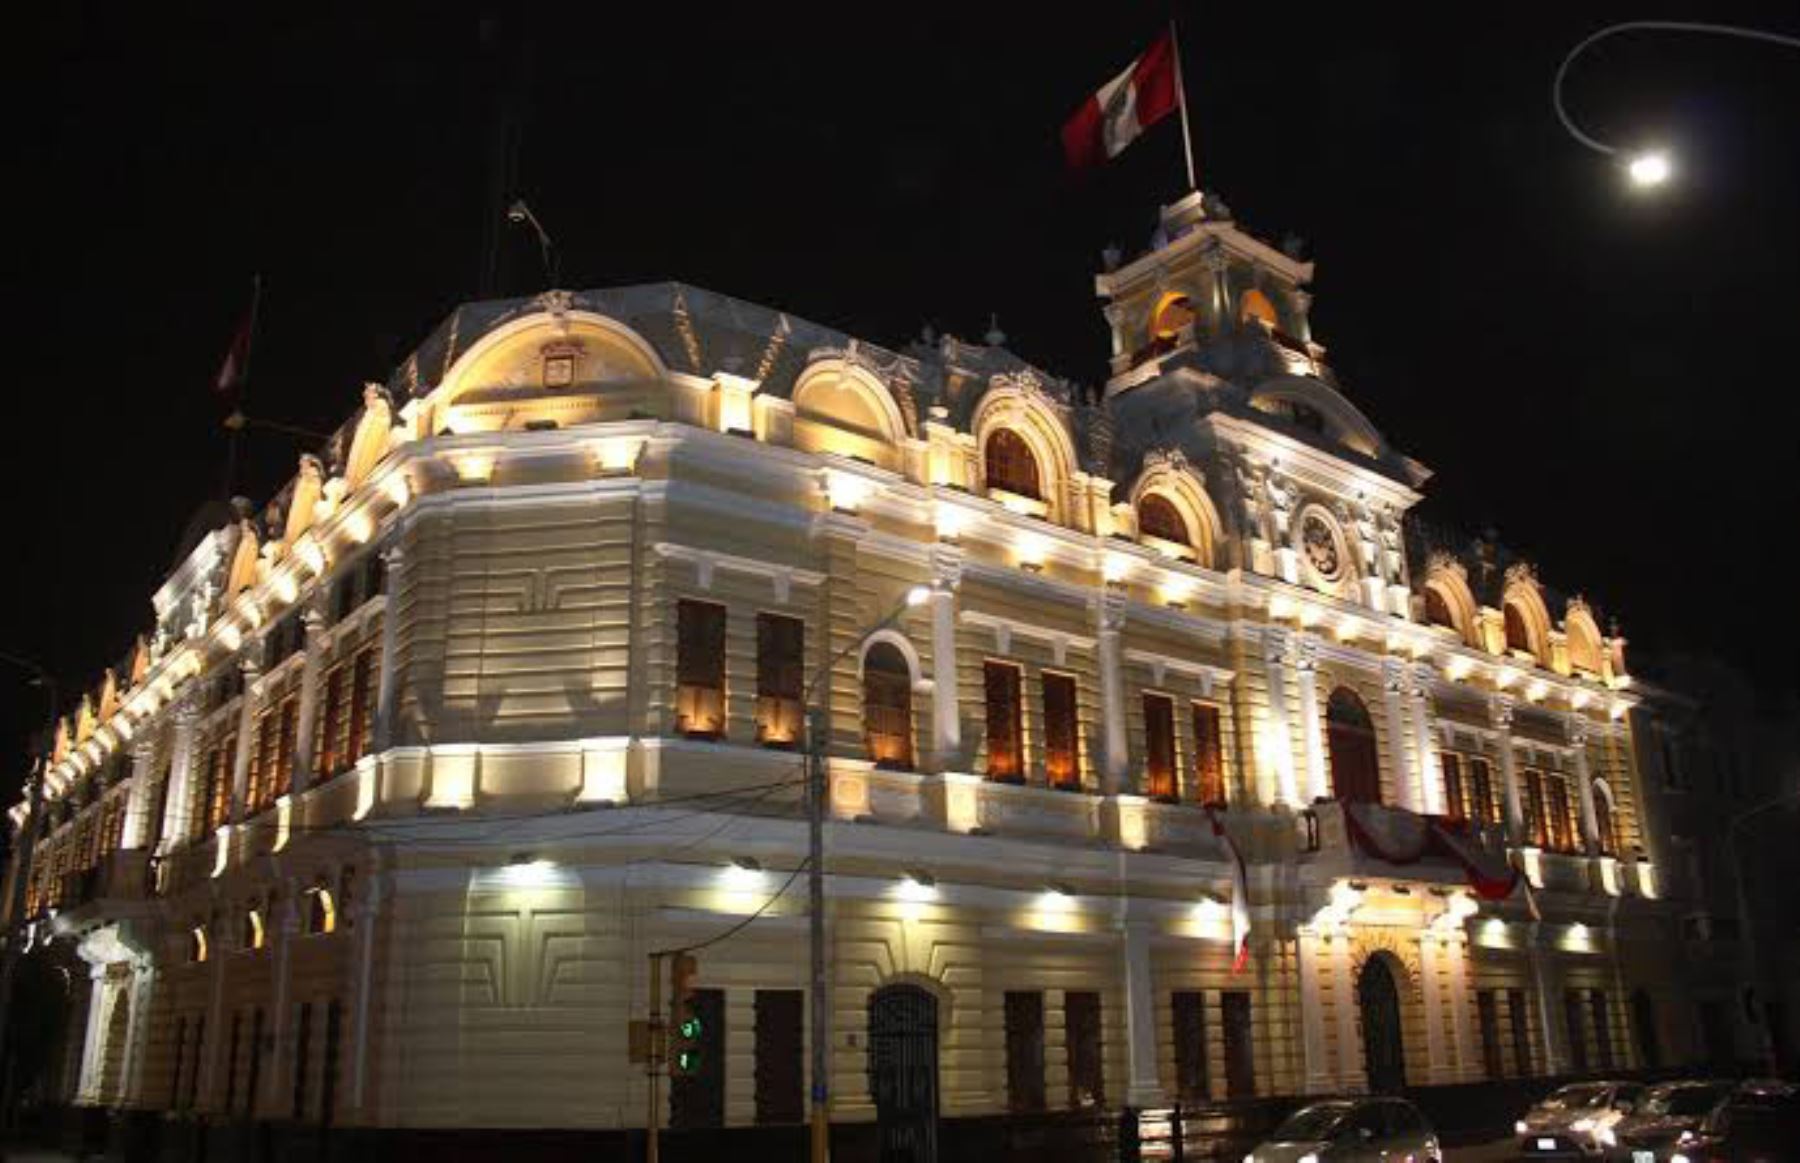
(1111, 257)
(994, 337)
(1293, 245)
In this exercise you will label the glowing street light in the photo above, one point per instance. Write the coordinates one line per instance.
(1646, 169)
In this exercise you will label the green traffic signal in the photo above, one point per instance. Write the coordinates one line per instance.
(690, 1029)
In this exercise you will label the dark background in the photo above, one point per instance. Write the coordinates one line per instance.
(1605, 377)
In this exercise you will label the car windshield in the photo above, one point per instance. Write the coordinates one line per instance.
(1311, 1124)
(1682, 1101)
(1576, 1097)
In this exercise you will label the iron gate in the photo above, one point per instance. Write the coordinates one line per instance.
(903, 1073)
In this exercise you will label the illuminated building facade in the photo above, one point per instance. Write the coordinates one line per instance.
(506, 691)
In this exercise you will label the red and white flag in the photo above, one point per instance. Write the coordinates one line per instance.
(1240, 896)
(236, 367)
(1125, 106)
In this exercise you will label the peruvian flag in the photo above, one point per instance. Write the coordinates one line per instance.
(236, 366)
(1125, 106)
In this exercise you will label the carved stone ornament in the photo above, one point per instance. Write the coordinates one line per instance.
(1521, 573)
(1172, 459)
(557, 303)
(1437, 561)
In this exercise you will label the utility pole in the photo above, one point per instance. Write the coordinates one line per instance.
(1747, 928)
(653, 1062)
(821, 1009)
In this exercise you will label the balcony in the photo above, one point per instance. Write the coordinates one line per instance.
(1374, 840)
(120, 879)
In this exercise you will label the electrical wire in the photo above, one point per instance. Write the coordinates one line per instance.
(740, 926)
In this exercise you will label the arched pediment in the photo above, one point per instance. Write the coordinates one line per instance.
(1299, 398)
(1448, 582)
(1587, 650)
(1522, 596)
(1020, 404)
(1168, 475)
(552, 365)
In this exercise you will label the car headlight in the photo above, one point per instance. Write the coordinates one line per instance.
(1678, 1157)
(1250, 1158)
(1309, 1157)
(1607, 1137)
(1519, 1128)
(1582, 1126)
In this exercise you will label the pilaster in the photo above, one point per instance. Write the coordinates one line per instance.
(1318, 785)
(946, 720)
(1500, 715)
(1115, 750)
(314, 622)
(1393, 688)
(1430, 797)
(178, 811)
(1276, 647)
(1144, 1088)
(246, 741)
(385, 688)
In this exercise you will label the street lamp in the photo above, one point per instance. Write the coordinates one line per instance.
(28, 835)
(1746, 926)
(1646, 168)
(815, 869)
(519, 214)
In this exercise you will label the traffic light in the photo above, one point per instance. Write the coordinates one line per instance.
(686, 1029)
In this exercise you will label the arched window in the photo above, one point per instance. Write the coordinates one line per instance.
(1173, 314)
(1256, 306)
(321, 911)
(1437, 610)
(1158, 517)
(1355, 771)
(887, 707)
(1603, 821)
(1011, 466)
(1518, 634)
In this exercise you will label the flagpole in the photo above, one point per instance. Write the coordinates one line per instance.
(1187, 135)
(236, 422)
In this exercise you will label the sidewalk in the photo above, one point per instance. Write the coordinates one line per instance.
(1494, 1152)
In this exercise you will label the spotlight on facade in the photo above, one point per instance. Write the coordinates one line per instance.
(917, 887)
(1649, 169)
(918, 596)
(743, 874)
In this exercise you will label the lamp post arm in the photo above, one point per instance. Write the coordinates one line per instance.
(1562, 70)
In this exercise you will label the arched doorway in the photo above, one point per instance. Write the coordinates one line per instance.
(903, 1072)
(1384, 1054)
(1355, 770)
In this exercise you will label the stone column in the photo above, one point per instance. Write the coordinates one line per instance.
(366, 911)
(1430, 782)
(139, 802)
(1275, 652)
(385, 688)
(1500, 714)
(1460, 1020)
(1432, 993)
(1317, 1071)
(1115, 747)
(946, 716)
(178, 811)
(1144, 1088)
(240, 762)
(286, 922)
(1393, 685)
(1318, 785)
(143, 994)
(313, 619)
(1576, 727)
(1545, 981)
(1343, 990)
(93, 1056)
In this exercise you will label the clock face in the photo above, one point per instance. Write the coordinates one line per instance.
(1323, 550)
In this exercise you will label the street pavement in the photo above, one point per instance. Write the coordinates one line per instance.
(1483, 1152)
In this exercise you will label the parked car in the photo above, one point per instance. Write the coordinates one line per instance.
(1648, 1133)
(1758, 1122)
(1569, 1122)
(1351, 1130)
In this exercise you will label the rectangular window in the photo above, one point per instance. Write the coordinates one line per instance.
(330, 746)
(219, 762)
(1520, 1019)
(780, 671)
(1081, 1024)
(1005, 728)
(1483, 806)
(1562, 831)
(1535, 832)
(1602, 1029)
(1189, 1013)
(334, 1032)
(1062, 763)
(1209, 755)
(1455, 802)
(1025, 1051)
(284, 748)
(697, 1099)
(362, 704)
(231, 1061)
(1240, 1048)
(255, 1071)
(1574, 1023)
(177, 1059)
(1487, 1010)
(700, 669)
(1159, 748)
(780, 1047)
(302, 1048)
(193, 1079)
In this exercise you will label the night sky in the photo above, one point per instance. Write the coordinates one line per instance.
(1605, 378)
